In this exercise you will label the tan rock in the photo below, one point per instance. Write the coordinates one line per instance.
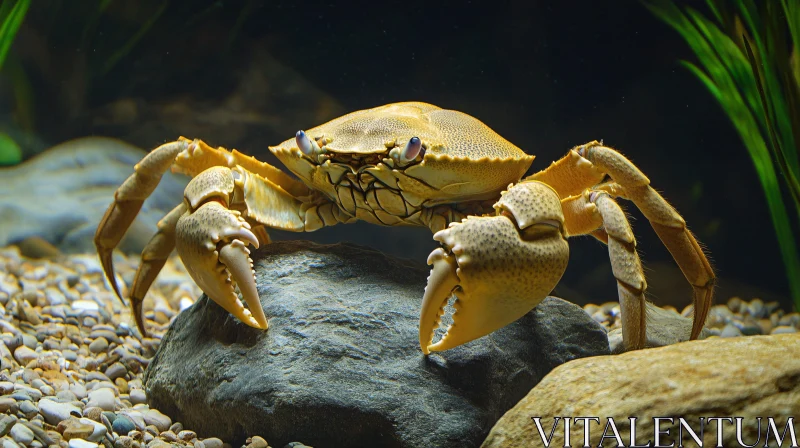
(749, 377)
(74, 428)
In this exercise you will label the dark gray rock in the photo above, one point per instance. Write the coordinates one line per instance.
(61, 195)
(341, 365)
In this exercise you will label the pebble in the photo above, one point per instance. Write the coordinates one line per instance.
(23, 354)
(6, 423)
(54, 412)
(102, 398)
(85, 305)
(28, 409)
(138, 396)
(65, 396)
(156, 418)
(110, 416)
(124, 442)
(783, 329)
(123, 425)
(79, 390)
(93, 413)
(186, 435)
(257, 442)
(6, 387)
(116, 370)
(730, 331)
(8, 405)
(80, 443)
(21, 434)
(212, 442)
(756, 308)
(98, 345)
(31, 393)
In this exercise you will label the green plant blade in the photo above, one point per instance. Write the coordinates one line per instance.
(762, 119)
(11, 20)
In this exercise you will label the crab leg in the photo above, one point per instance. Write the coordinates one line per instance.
(154, 256)
(585, 166)
(128, 200)
(499, 267)
(596, 213)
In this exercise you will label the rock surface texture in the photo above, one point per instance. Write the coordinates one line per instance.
(758, 376)
(61, 195)
(340, 364)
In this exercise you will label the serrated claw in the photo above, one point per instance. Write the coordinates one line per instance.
(212, 244)
(441, 282)
(236, 258)
(497, 273)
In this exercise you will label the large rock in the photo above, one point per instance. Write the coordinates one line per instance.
(61, 195)
(340, 364)
(749, 377)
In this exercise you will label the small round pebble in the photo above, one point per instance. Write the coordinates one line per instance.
(103, 398)
(156, 418)
(80, 443)
(123, 425)
(138, 396)
(21, 434)
(212, 442)
(124, 442)
(257, 442)
(730, 331)
(783, 329)
(28, 409)
(116, 370)
(98, 345)
(186, 435)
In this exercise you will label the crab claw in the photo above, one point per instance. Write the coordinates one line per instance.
(441, 282)
(497, 271)
(212, 242)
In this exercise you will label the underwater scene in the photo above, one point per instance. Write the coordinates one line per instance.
(269, 223)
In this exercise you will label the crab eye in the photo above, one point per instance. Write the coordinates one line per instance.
(304, 143)
(411, 151)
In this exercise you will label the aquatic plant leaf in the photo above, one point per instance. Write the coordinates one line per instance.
(10, 152)
(11, 18)
(734, 81)
(777, 150)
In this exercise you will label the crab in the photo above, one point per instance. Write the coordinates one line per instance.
(503, 236)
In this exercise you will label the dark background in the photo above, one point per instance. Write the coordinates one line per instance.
(547, 75)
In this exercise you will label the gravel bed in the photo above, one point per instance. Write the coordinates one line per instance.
(71, 360)
(737, 317)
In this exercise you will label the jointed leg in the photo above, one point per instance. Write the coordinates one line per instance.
(154, 256)
(586, 165)
(596, 213)
(212, 240)
(128, 200)
(668, 224)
